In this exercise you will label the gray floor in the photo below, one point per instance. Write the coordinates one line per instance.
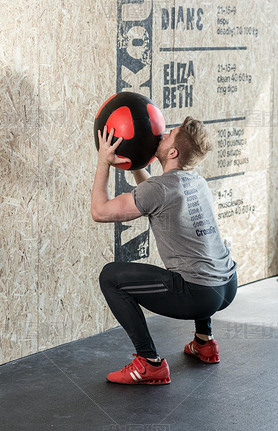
(64, 389)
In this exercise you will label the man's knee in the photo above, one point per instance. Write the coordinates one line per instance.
(106, 274)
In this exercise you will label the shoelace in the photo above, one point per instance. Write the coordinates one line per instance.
(128, 366)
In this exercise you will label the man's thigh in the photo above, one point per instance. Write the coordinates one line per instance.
(159, 290)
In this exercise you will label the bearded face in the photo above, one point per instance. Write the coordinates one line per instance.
(165, 145)
(161, 153)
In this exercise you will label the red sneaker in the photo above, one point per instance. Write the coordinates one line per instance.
(208, 352)
(140, 372)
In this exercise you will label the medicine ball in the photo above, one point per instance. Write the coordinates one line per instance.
(138, 121)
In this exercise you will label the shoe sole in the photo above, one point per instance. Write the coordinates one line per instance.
(213, 360)
(166, 381)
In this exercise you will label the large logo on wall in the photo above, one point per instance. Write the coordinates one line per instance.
(134, 73)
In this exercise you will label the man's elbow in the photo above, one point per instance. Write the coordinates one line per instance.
(101, 216)
(95, 215)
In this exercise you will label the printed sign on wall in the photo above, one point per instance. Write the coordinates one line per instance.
(208, 61)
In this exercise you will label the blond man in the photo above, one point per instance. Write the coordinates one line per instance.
(199, 277)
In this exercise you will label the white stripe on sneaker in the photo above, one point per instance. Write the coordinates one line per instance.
(138, 375)
(133, 376)
(191, 348)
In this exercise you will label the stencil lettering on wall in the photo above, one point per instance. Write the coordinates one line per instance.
(134, 73)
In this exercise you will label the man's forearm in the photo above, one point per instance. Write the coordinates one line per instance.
(100, 188)
(141, 175)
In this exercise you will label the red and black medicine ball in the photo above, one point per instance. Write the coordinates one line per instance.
(138, 121)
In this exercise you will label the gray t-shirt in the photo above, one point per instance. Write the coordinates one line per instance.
(179, 205)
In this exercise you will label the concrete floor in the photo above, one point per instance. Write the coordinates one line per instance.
(64, 388)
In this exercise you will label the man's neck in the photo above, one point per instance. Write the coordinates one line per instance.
(170, 167)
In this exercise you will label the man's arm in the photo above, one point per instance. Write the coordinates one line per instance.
(104, 209)
(141, 175)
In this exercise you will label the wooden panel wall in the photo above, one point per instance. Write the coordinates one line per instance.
(59, 61)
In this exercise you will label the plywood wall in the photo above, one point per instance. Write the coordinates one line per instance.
(58, 62)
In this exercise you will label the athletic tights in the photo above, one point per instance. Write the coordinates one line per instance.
(126, 286)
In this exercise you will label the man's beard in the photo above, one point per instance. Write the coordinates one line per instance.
(161, 155)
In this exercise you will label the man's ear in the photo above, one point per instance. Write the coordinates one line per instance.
(173, 153)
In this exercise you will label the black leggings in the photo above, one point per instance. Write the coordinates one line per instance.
(126, 285)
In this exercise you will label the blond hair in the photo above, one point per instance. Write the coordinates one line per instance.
(192, 142)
